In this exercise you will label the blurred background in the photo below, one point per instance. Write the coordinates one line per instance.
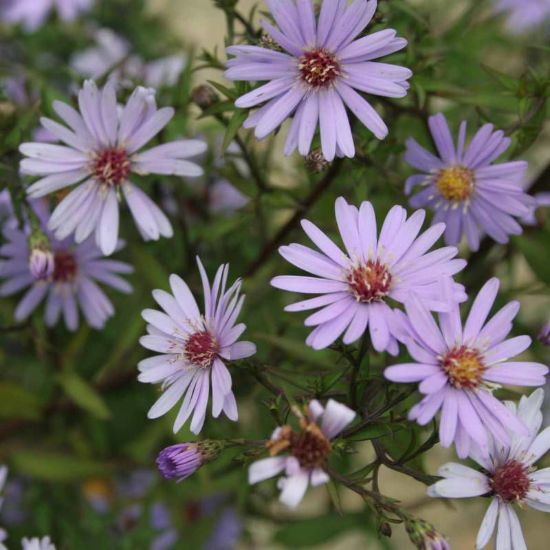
(73, 426)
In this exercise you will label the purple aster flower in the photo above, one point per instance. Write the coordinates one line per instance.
(111, 56)
(508, 477)
(308, 450)
(180, 461)
(194, 348)
(226, 531)
(77, 270)
(317, 74)
(31, 14)
(3, 476)
(37, 543)
(524, 15)
(459, 367)
(355, 289)
(102, 152)
(466, 190)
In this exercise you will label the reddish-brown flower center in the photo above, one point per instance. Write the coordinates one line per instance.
(111, 166)
(463, 367)
(319, 67)
(511, 481)
(201, 349)
(455, 183)
(65, 267)
(370, 282)
(310, 446)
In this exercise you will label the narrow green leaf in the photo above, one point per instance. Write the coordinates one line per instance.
(84, 395)
(233, 127)
(17, 402)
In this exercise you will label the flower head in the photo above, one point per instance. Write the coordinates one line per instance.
(101, 155)
(316, 75)
(180, 461)
(302, 455)
(110, 56)
(508, 476)
(31, 14)
(72, 283)
(195, 347)
(37, 544)
(424, 535)
(3, 476)
(458, 369)
(525, 15)
(464, 187)
(356, 288)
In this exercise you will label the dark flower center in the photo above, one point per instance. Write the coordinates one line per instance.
(511, 481)
(111, 166)
(309, 446)
(455, 183)
(463, 367)
(369, 282)
(201, 349)
(319, 68)
(65, 267)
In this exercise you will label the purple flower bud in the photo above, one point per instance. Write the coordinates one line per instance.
(544, 334)
(424, 535)
(41, 263)
(180, 461)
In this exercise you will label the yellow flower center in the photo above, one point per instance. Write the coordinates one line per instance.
(463, 367)
(455, 183)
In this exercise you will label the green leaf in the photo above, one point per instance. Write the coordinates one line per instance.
(313, 531)
(535, 249)
(17, 402)
(55, 466)
(233, 127)
(230, 94)
(84, 395)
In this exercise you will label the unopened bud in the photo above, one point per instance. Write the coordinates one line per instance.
(204, 96)
(41, 258)
(7, 113)
(385, 529)
(424, 535)
(544, 334)
(268, 43)
(184, 459)
(316, 162)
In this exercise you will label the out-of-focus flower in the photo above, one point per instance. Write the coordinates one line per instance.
(37, 544)
(316, 76)
(111, 57)
(161, 520)
(424, 535)
(204, 96)
(459, 367)
(180, 461)
(226, 531)
(194, 348)
(73, 283)
(355, 286)
(31, 14)
(100, 156)
(544, 334)
(466, 190)
(3, 476)
(508, 476)
(524, 15)
(308, 450)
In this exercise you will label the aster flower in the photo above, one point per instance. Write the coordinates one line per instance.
(77, 270)
(180, 461)
(318, 74)
(101, 153)
(459, 367)
(508, 476)
(464, 187)
(194, 348)
(3, 476)
(110, 56)
(355, 289)
(308, 450)
(37, 543)
(525, 15)
(31, 14)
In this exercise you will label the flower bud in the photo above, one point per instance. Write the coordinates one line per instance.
(41, 258)
(424, 535)
(316, 162)
(184, 459)
(204, 96)
(544, 334)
